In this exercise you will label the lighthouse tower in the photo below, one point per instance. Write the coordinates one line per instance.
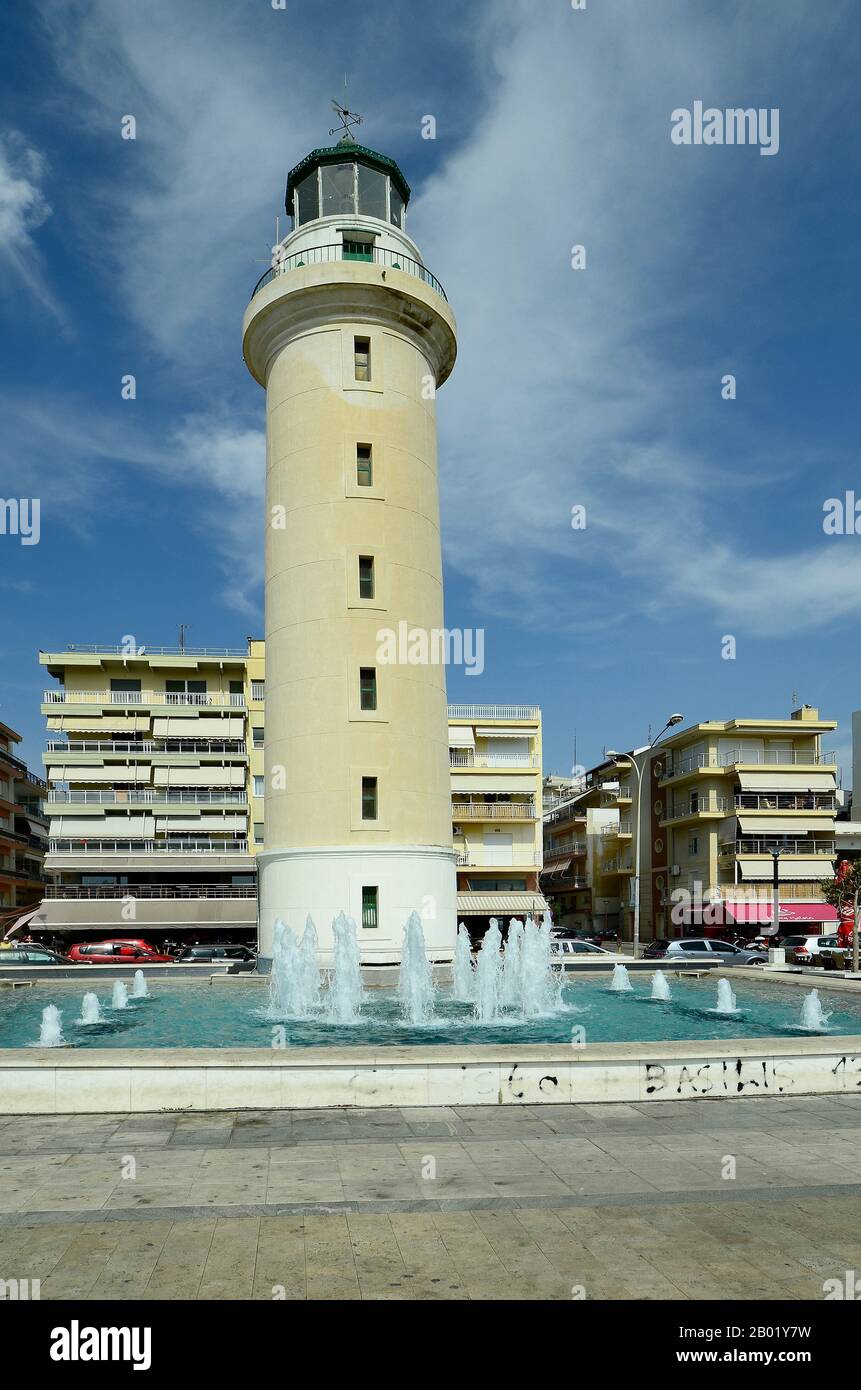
(350, 335)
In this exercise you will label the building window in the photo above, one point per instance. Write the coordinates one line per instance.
(258, 689)
(366, 576)
(259, 785)
(257, 736)
(258, 832)
(694, 845)
(126, 692)
(369, 798)
(362, 355)
(370, 907)
(187, 692)
(364, 466)
(358, 250)
(368, 687)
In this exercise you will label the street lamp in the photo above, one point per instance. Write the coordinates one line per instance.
(631, 757)
(775, 895)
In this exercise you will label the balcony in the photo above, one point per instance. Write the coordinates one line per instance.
(806, 848)
(190, 846)
(76, 892)
(215, 699)
(568, 845)
(615, 831)
(617, 866)
(492, 810)
(749, 757)
(785, 801)
(480, 857)
(105, 649)
(701, 806)
(613, 798)
(226, 747)
(467, 758)
(377, 255)
(507, 713)
(144, 797)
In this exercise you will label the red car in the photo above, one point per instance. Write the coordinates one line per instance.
(126, 950)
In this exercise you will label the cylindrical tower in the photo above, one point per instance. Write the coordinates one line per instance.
(350, 335)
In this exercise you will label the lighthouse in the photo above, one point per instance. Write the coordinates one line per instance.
(351, 335)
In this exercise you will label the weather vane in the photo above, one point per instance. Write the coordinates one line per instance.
(348, 119)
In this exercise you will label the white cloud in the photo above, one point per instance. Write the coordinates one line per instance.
(23, 209)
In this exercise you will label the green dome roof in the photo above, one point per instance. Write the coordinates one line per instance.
(340, 154)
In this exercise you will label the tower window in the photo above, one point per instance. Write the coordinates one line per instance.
(368, 687)
(364, 466)
(370, 907)
(369, 798)
(362, 354)
(358, 250)
(366, 576)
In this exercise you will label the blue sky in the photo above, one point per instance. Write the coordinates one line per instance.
(598, 387)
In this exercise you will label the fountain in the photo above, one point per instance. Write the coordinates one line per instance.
(540, 985)
(620, 982)
(660, 988)
(345, 993)
(464, 970)
(310, 968)
(294, 981)
(814, 1019)
(726, 1003)
(415, 977)
(487, 974)
(51, 1029)
(91, 1009)
(119, 995)
(510, 985)
(140, 989)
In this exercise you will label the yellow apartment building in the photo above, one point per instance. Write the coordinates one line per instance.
(23, 832)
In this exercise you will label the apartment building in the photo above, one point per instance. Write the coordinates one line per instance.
(725, 796)
(155, 767)
(496, 799)
(23, 832)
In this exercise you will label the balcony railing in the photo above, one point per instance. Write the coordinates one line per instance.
(144, 797)
(768, 757)
(622, 828)
(803, 847)
(226, 746)
(191, 846)
(492, 810)
(214, 699)
(613, 798)
(479, 857)
(617, 866)
(150, 890)
(97, 648)
(567, 846)
(785, 801)
(319, 255)
(465, 757)
(482, 712)
(702, 805)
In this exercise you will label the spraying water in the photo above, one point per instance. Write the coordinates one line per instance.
(487, 975)
(726, 1002)
(119, 995)
(140, 989)
(540, 985)
(464, 970)
(294, 981)
(345, 993)
(91, 1009)
(415, 978)
(814, 1019)
(511, 983)
(660, 987)
(620, 982)
(310, 968)
(51, 1029)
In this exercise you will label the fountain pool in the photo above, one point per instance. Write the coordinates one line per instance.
(200, 1015)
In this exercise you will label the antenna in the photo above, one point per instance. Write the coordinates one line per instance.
(347, 118)
(182, 631)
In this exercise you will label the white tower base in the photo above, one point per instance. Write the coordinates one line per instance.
(329, 880)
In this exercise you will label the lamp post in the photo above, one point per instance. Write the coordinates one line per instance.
(631, 757)
(775, 894)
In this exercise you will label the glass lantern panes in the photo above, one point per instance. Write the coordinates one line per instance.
(372, 193)
(397, 207)
(337, 183)
(308, 199)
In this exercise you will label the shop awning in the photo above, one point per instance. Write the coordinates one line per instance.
(759, 914)
(784, 782)
(496, 732)
(789, 870)
(557, 866)
(787, 824)
(460, 783)
(497, 904)
(461, 738)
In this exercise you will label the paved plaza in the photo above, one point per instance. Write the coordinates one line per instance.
(595, 1201)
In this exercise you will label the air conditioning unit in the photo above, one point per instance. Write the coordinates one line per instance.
(674, 871)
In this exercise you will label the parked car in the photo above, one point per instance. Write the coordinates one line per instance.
(803, 950)
(567, 946)
(704, 949)
(219, 953)
(118, 950)
(33, 955)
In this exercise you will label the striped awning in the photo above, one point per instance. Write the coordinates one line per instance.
(812, 870)
(461, 738)
(494, 904)
(778, 780)
(784, 824)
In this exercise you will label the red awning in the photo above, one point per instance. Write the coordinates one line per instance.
(757, 914)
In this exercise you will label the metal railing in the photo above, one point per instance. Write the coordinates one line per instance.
(480, 857)
(623, 828)
(611, 798)
(465, 757)
(491, 810)
(217, 699)
(702, 805)
(785, 801)
(566, 845)
(144, 797)
(227, 747)
(96, 648)
(150, 890)
(760, 846)
(482, 712)
(207, 846)
(320, 255)
(768, 757)
(617, 866)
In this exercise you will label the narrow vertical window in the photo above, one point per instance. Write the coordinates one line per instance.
(368, 687)
(370, 907)
(366, 576)
(364, 465)
(369, 798)
(362, 355)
